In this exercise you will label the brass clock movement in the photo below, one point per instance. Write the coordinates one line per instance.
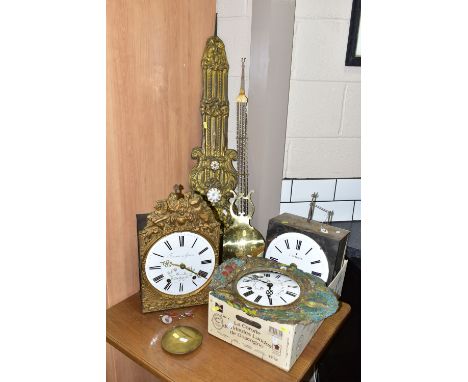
(178, 252)
(214, 175)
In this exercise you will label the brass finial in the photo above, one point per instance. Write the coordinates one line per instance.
(242, 97)
(216, 25)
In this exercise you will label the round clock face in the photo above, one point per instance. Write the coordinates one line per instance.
(268, 288)
(302, 250)
(180, 263)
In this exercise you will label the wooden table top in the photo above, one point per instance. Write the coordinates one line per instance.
(139, 335)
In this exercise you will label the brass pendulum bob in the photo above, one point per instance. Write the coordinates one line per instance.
(181, 340)
(240, 238)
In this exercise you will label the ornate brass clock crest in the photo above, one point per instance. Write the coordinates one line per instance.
(178, 252)
(214, 174)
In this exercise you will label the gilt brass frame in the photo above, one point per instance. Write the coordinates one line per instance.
(176, 214)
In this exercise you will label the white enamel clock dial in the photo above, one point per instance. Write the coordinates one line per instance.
(302, 250)
(180, 263)
(267, 288)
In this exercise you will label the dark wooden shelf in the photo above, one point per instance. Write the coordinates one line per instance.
(139, 335)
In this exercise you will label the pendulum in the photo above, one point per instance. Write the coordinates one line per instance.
(181, 340)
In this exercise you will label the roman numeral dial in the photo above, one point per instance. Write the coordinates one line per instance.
(180, 263)
(268, 288)
(301, 250)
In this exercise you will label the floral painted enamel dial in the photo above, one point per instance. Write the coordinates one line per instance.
(180, 263)
(301, 250)
(267, 288)
(271, 291)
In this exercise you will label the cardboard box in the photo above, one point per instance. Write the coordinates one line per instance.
(278, 344)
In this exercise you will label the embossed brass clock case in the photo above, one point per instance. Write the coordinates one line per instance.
(179, 213)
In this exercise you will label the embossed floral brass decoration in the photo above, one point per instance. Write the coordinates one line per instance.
(214, 174)
(178, 213)
(240, 238)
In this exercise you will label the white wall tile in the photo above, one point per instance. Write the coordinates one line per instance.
(231, 8)
(343, 211)
(348, 189)
(300, 209)
(286, 190)
(302, 189)
(352, 111)
(235, 32)
(357, 211)
(322, 158)
(326, 9)
(319, 51)
(315, 108)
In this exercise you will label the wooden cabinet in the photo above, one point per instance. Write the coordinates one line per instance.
(154, 50)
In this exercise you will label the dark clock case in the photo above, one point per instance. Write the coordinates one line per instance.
(333, 242)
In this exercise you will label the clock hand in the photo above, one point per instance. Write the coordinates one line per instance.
(183, 266)
(257, 279)
(269, 292)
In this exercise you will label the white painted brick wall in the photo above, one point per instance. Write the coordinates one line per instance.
(323, 127)
(315, 109)
(322, 158)
(319, 51)
(232, 8)
(351, 126)
(324, 9)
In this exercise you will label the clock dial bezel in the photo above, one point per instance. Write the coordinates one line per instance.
(262, 305)
(285, 257)
(314, 303)
(195, 291)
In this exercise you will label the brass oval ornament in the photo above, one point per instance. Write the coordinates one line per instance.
(181, 340)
